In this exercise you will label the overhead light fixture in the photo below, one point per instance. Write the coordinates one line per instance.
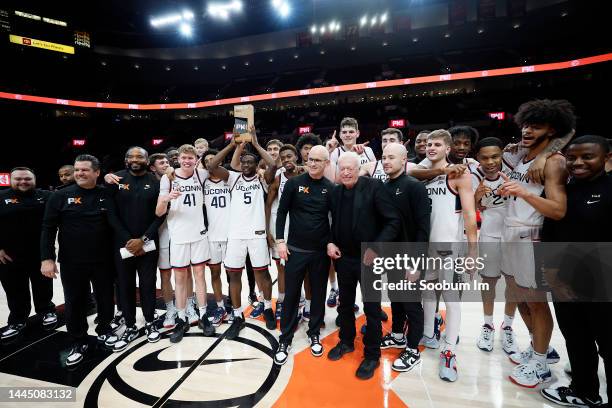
(188, 15)
(223, 10)
(384, 44)
(516, 25)
(246, 63)
(322, 52)
(270, 59)
(373, 21)
(136, 66)
(353, 48)
(168, 68)
(195, 68)
(480, 30)
(363, 21)
(223, 67)
(295, 56)
(166, 20)
(383, 18)
(103, 63)
(186, 29)
(447, 35)
(415, 39)
(322, 29)
(313, 29)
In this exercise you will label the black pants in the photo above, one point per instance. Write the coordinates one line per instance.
(349, 274)
(406, 311)
(16, 278)
(146, 267)
(584, 328)
(75, 280)
(317, 264)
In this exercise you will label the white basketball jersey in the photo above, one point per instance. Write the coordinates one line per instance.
(217, 199)
(520, 213)
(446, 215)
(494, 212)
(365, 157)
(247, 215)
(186, 213)
(283, 180)
(468, 161)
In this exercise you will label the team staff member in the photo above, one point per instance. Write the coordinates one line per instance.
(135, 224)
(411, 200)
(307, 200)
(589, 220)
(80, 213)
(21, 211)
(362, 211)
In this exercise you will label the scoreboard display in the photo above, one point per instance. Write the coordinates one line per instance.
(37, 30)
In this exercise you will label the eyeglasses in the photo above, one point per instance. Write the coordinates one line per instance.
(318, 161)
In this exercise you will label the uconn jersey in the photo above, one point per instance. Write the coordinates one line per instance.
(217, 199)
(247, 207)
(365, 157)
(493, 204)
(446, 214)
(520, 213)
(186, 213)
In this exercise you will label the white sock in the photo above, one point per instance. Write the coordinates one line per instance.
(238, 312)
(267, 304)
(191, 300)
(202, 311)
(170, 305)
(220, 303)
(429, 311)
(508, 320)
(307, 305)
(489, 320)
(334, 284)
(260, 295)
(398, 336)
(539, 357)
(181, 314)
(281, 297)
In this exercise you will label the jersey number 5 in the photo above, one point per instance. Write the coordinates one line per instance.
(247, 197)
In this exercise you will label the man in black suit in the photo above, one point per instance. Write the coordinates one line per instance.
(362, 211)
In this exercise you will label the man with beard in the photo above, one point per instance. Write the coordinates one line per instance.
(21, 211)
(66, 176)
(173, 154)
(136, 227)
(375, 169)
(288, 157)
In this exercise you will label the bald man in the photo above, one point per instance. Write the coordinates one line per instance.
(410, 198)
(362, 212)
(307, 200)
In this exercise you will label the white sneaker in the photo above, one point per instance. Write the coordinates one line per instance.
(170, 317)
(486, 338)
(76, 354)
(429, 342)
(192, 315)
(282, 353)
(524, 357)
(448, 366)
(316, 348)
(531, 374)
(508, 341)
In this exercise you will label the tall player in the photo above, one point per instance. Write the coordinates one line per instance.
(486, 182)
(288, 156)
(247, 229)
(375, 169)
(349, 132)
(183, 201)
(217, 199)
(540, 122)
(452, 211)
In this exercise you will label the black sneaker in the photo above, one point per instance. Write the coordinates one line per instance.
(152, 332)
(234, 329)
(566, 396)
(389, 341)
(316, 348)
(130, 334)
(76, 354)
(407, 360)
(118, 321)
(339, 350)
(49, 320)
(13, 330)
(179, 331)
(270, 319)
(207, 327)
(282, 353)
